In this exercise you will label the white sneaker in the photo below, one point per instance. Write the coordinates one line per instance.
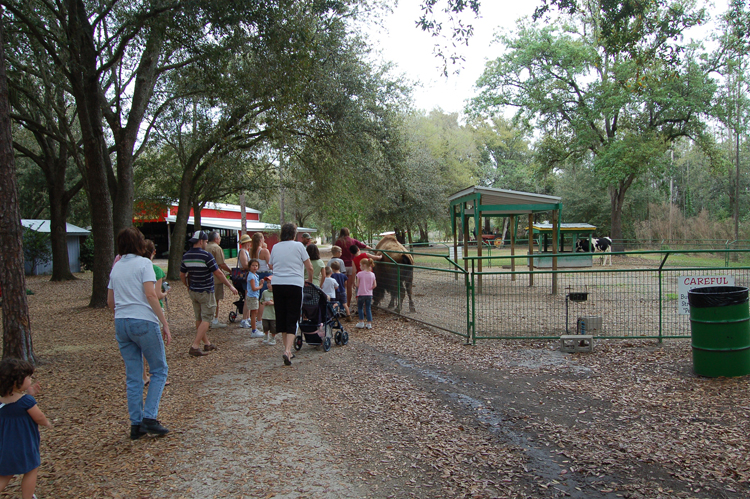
(360, 325)
(244, 324)
(259, 325)
(272, 341)
(368, 326)
(256, 334)
(216, 324)
(265, 339)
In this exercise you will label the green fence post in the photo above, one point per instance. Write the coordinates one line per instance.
(473, 307)
(661, 312)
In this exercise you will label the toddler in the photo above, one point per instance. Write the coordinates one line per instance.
(365, 282)
(252, 299)
(20, 418)
(340, 279)
(269, 314)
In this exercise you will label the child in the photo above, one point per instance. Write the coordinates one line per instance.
(20, 418)
(357, 257)
(340, 279)
(336, 257)
(251, 300)
(269, 314)
(365, 282)
(329, 288)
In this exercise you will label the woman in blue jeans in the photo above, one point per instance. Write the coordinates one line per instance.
(132, 296)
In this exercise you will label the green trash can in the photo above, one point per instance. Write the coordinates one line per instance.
(720, 330)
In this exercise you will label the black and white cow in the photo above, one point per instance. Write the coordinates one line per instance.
(601, 245)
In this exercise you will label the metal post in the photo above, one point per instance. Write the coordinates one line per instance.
(531, 249)
(555, 236)
(513, 246)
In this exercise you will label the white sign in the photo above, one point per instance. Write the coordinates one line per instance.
(688, 282)
(460, 253)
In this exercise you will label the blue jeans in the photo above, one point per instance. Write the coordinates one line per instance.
(364, 306)
(137, 339)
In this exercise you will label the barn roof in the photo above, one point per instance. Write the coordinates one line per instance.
(231, 224)
(44, 226)
(494, 201)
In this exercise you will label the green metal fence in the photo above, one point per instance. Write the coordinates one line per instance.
(637, 298)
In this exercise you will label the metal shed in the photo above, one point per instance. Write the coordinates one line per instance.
(478, 202)
(73, 235)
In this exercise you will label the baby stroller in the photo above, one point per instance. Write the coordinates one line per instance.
(317, 311)
(240, 303)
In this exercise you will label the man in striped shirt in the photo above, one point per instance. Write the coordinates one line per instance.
(197, 272)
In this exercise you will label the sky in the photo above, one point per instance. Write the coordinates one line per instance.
(412, 50)
(403, 43)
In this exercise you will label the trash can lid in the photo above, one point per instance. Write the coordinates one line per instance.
(717, 296)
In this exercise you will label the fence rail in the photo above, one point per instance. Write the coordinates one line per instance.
(639, 297)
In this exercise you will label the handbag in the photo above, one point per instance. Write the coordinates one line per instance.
(239, 274)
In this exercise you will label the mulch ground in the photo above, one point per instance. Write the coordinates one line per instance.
(401, 411)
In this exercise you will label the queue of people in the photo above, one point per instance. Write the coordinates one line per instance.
(272, 283)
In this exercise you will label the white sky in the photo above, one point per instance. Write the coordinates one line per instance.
(412, 50)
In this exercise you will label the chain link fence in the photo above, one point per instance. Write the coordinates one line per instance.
(641, 296)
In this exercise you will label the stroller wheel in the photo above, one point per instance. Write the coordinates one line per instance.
(344, 338)
(297, 342)
(327, 344)
(338, 337)
(232, 316)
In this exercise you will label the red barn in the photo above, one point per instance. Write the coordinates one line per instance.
(157, 223)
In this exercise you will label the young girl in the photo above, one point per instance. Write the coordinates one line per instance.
(259, 251)
(252, 298)
(365, 282)
(20, 418)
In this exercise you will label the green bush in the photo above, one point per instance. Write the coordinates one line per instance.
(87, 253)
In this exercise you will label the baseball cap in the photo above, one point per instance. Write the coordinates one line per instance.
(306, 235)
(199, 235)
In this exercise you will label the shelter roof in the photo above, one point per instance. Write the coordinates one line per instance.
(44, 226)
(566, 227)
(503, 202)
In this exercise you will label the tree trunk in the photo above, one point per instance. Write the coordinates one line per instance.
(196, 216)
(16, 325)
(58, 204)
(617, 200)
(125, 138)
(84, 81)
(180, 227)
(243, 215)
(424, 233)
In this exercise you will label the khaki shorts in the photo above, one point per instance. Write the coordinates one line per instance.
(252, 303)
(269, 325)
(219, 291)
(204, 305)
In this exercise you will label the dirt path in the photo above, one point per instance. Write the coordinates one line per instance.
(401, 411)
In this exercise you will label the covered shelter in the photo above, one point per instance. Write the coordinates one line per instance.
(480, 202)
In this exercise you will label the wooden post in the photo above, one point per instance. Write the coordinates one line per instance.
(512, 246)
(531, 249)
(554, 251)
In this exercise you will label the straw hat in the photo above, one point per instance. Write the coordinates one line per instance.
(245, 239)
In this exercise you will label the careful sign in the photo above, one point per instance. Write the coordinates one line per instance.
(689, 282)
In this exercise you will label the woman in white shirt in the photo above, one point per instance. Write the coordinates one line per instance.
(132, 297)
(289, 259)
